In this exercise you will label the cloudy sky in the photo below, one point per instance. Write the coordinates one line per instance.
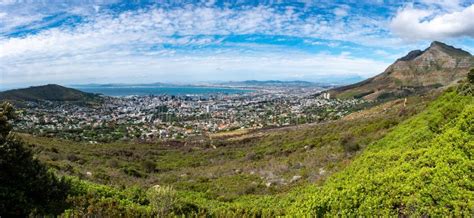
(194, 41)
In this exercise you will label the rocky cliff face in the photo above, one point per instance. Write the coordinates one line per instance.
(438, 66)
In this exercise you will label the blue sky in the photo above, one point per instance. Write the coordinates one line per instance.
(73, 42)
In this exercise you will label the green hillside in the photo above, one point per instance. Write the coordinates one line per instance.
(423, 167)
(49, 92)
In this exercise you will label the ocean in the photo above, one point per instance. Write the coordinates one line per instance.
(119, 91)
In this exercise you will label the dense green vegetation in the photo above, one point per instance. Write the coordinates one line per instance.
(398, 158)
(25, 185)
(423, 167)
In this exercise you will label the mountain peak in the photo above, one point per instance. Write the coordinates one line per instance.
(439, 65)
(438, 43)
(451, 50)
(435, 46)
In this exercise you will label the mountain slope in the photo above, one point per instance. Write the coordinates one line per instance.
(437, 66)
(48, 93)
(424, 167)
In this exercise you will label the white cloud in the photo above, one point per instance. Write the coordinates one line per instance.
(148, 45)
(100, 67)
(155, 23)
(427, 24)
(341, 11)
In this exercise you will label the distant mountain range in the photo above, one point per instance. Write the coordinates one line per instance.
(49, 92)
(246, 83)
(157, 84)
(419, 71)
(272, 83)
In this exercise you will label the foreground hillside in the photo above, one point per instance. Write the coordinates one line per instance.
(399, 158)
(423, 167)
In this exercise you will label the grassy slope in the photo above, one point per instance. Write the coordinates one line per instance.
(423, 167)
(231, 178)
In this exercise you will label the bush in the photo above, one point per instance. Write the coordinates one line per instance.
(26, 186)
(349, 143)
(149, 166)
(162, 198)
(113, 163)
(131, 171)
(72, 157)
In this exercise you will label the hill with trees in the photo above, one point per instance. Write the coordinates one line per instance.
(49, 92)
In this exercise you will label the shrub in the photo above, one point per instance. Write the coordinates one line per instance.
(26, 186)
(349, 143)
(131, 171)
(72, 157)
(162, 199)
(90, 199)
(149, 166)
(113, 163)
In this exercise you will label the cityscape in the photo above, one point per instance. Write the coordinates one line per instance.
(149, 118)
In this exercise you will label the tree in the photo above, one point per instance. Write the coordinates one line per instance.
(470, 76)
(26, 186)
